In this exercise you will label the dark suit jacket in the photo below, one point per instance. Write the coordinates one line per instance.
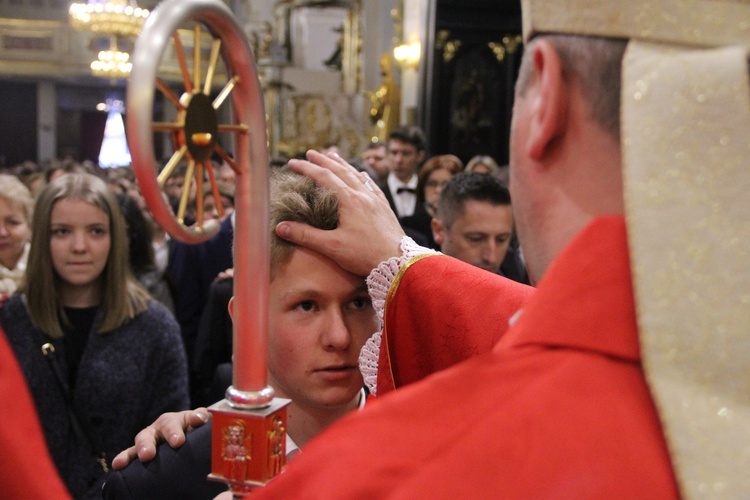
(420, 222)
(172, 474)
(414, 226)
(513, 266)
(213, 343)
(191, 270)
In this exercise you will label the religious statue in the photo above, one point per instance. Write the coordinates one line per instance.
(385, 103)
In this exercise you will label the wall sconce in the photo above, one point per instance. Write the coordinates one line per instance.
(408, 55)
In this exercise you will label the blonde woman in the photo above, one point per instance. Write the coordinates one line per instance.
(16, 209)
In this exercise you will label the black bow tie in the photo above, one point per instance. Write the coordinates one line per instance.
(406, 190)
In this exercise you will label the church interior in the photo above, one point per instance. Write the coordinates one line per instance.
(335, 72)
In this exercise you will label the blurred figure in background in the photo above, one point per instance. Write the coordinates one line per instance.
(432, 178)
(16, 209)
(140, 232)
(482, 164)
(375, 162)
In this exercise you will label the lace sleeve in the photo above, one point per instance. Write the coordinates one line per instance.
(378, 283)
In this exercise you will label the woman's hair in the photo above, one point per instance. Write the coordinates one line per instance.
(296, 198)
(449, 162)
(17, 194)
(140, 231)
(485, 160)
(123, 298)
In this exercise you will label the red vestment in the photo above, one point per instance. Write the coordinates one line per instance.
(451, 324)
(26, 468)
(558, 408)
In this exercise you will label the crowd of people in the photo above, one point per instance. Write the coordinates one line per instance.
(169, 301)
(88, 310)
(614, 377)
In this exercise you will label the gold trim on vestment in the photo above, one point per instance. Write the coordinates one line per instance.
(391, 292)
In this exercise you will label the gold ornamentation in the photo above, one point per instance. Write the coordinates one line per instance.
(449, 46)
(512, 42)
(498, 49)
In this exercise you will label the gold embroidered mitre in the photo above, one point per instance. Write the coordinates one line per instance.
(685, 135)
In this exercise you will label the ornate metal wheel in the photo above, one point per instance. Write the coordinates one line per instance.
(195, 131)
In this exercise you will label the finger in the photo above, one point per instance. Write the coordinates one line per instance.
(322, 176)
(124, 458)
(369, 184)
(337, 165)
(304, 235)
(337, 158)
(196, 418)
(145, 444)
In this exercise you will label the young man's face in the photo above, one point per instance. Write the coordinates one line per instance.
(479, 236)
(319, 317)
(403, 159)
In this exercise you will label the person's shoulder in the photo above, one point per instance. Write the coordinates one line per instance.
(13, 311)
(155, 321)
(179, 473)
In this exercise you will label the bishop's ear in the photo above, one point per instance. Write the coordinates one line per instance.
(549, 100)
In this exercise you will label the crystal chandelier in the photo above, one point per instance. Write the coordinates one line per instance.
(112, 63)
(113, 19)
(108, 17)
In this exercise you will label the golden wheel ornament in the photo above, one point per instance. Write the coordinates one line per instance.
(195, 134)
(196, 129)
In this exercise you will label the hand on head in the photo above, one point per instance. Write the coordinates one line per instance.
(368, 231)
(169, 427)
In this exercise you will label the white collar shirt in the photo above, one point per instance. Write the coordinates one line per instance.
(405, 201)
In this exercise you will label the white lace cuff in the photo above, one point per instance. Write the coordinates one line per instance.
(378, 283)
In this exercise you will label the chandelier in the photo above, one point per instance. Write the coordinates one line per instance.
(112, 63)
(108, 17)
(113, 19)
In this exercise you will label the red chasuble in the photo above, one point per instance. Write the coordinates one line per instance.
(438, 316)
(559, 408)
(26, 468)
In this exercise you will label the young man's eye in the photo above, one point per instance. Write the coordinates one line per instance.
(360, 303)
(306, 305)
(60, 231)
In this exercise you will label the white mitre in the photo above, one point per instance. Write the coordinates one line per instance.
(685, 133)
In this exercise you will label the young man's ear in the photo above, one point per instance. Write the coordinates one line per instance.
(230, 308)
(438, 231)
(549, 100)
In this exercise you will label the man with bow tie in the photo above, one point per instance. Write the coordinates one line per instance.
(405, 151)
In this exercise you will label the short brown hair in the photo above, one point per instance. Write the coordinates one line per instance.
(594, 63)
(296, 198)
